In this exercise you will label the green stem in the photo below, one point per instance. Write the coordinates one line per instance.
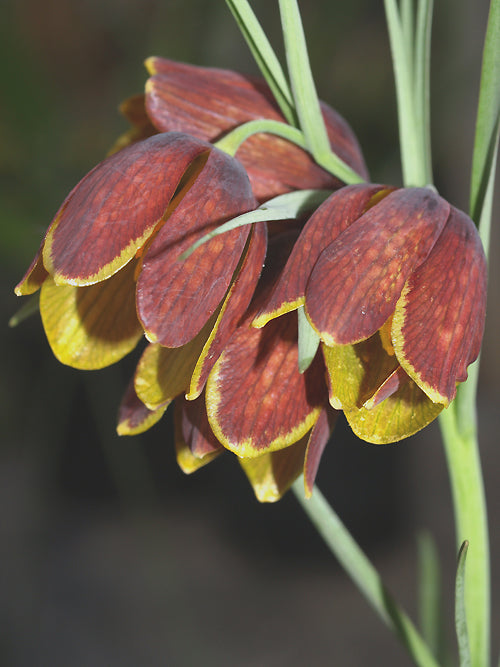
(413, 149)
(362, 572)
(301, 80)
(458, 423)
(264, 56)
(330, 162)
(464, 466)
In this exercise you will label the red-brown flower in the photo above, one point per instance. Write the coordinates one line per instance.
(109, 270)
(394, 283)
(109, 265)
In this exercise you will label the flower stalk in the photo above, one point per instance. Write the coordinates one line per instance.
(459, 422)
(362, 572)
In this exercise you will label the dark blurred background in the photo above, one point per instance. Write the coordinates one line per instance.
(109, 554)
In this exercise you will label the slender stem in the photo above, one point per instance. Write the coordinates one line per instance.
(362, 572)
(412, 156)
(471, 524)
(264, 56)
(301, 80)
(422, 69)
(233, 140)
(331, 162)
(458, 423)
(488, 114)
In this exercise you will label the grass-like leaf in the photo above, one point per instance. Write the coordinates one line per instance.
(460, 613)
(488, 115)
(308, 341)
(429, 594)
(301, 79)
(284, 207)
(265, 56)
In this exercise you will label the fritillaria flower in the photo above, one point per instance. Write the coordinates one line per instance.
(109, 267)
(394, 283)
(110, 272)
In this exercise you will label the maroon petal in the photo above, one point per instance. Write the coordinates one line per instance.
(34, 277)
(340, 210)
(439, 320)
(175, 298)
(133, 416)
(233, 308)
(113, 210)
(193, 429)
(257, 401)
(357, 280)
(208, 102)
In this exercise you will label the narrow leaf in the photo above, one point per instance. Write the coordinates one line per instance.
(264, 55)
(429, 593)
(488, 114)
(460, 613)
(422, 59)
(303, 88)
(284, 207)
(308, 341)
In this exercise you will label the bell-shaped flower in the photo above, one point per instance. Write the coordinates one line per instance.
(394, 283)
(109, 267)
(208, 102)
(255, 403)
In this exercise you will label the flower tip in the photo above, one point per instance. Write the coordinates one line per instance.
(150, 65)
(260, 321)
(305, 362)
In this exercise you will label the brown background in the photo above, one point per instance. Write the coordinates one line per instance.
(110, 555)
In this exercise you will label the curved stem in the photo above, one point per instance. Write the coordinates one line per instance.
(362, 572)
(331, 162)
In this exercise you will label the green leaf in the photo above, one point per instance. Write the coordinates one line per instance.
(429, 594)
(460, 613)
(302, 82)
(422, 60)
(265, 56)
(284, 207)
(488, 115)
(413, 149)
(308, 341)
(343, 546)
(233, 140)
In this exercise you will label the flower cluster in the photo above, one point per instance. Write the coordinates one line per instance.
(393, 282)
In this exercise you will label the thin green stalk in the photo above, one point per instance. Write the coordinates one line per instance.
(408, 23)
(471, 524)
(265, 56)
(488, 114)
(333, 164)
(429, 596)
(402, 60)
(301, 80)
(459, 422)
(362, 572)
(460, 610)
(412, 151)
(422, 70)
